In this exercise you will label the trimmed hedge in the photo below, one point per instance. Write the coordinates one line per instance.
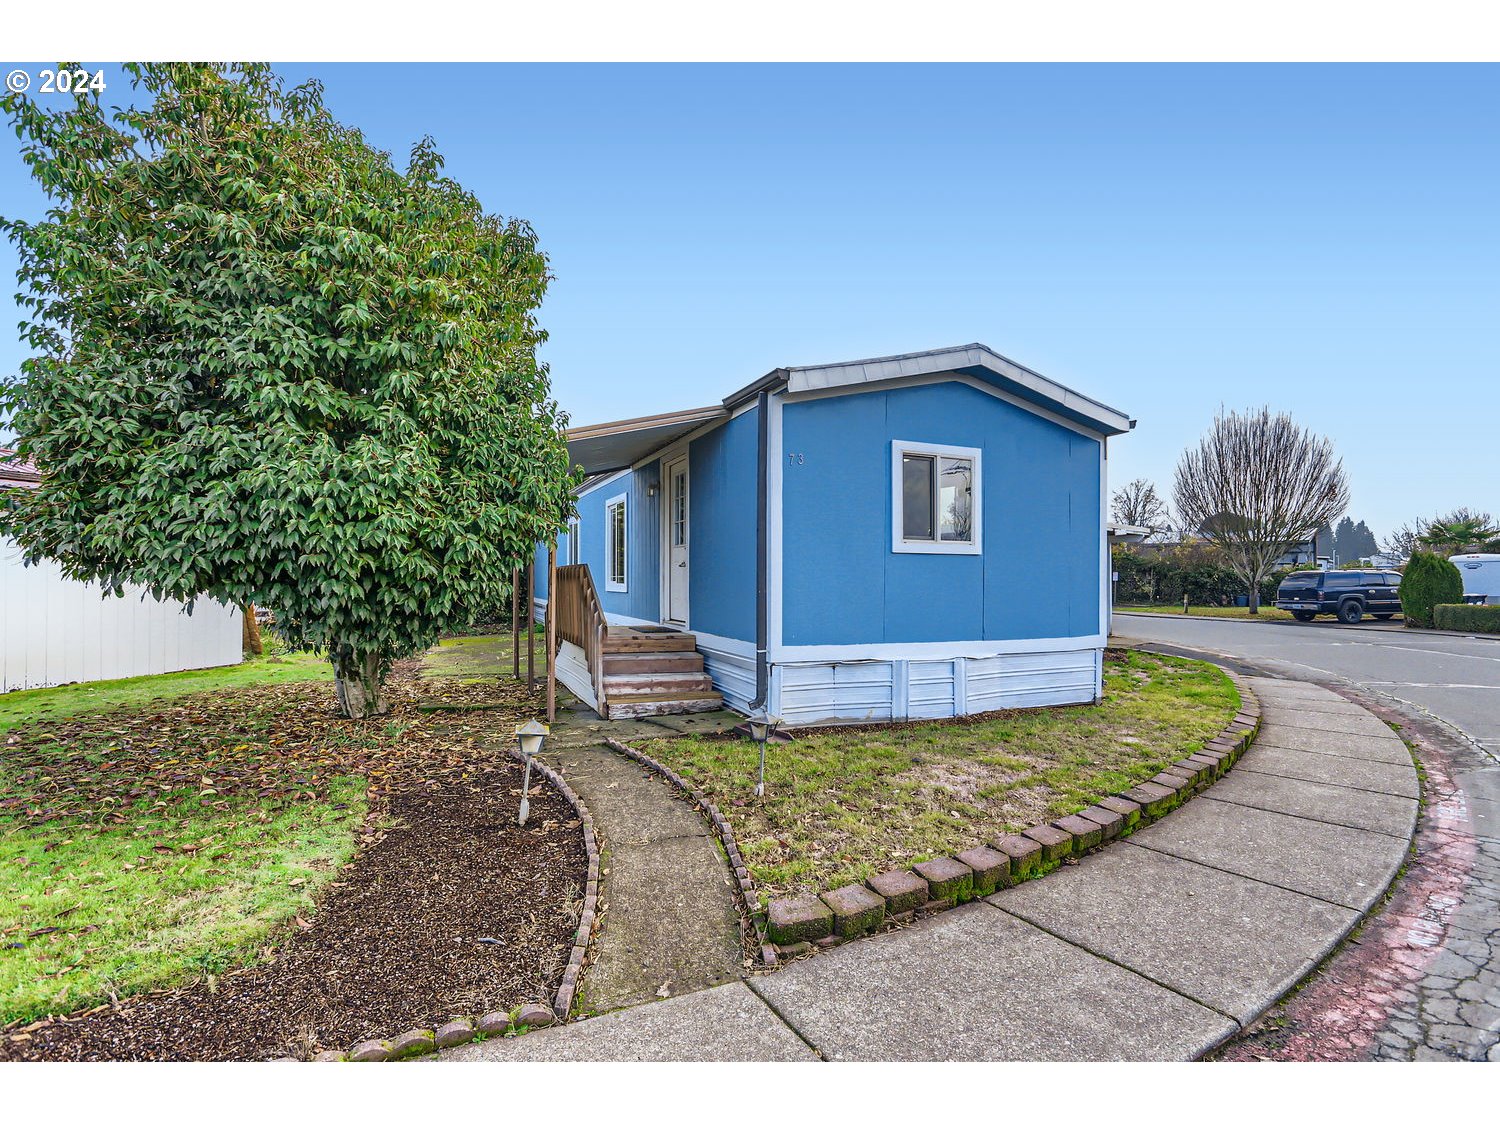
(1468, 618)
(1429, 580)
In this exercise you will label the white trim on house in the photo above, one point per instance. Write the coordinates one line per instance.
(934, 650)
(600, 483)
(900, 545)
(1106, 562)
(888, 369)
(622, 501)
(664, 594)
(775, 477)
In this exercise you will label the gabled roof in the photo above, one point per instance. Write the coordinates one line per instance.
(967, 359)
(610, 446)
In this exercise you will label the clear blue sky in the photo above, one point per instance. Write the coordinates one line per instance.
(1168, 239)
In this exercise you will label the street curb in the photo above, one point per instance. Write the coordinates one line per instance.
(1382, 626)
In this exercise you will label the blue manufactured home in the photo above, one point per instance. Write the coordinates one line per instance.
(916, 536)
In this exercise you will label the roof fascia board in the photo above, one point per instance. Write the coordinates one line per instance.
(953, 377)
(840, 375)
(649, 422)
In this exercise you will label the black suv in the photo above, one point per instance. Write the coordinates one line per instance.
(1349, 594)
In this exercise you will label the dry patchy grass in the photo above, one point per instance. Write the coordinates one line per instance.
(844, 803)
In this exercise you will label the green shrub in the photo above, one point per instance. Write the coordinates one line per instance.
(1430, 580)
(1468, 618)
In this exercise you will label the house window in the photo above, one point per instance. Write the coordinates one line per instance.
(616, 540)
(935, 499)
(572, 555)
(679, 508)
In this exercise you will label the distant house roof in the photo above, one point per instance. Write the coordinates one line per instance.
(17, 473)
(617, 445)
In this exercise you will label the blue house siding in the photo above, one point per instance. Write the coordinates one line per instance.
(722, 481)
(1038, 575)
(642, 597)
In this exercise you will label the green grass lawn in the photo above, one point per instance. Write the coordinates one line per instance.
(76, 699)
(157, 892)
(163, 828)
(1267, 613)
(844, 803)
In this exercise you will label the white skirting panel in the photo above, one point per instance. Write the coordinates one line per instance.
(573, 672)
(882, 690)
(733, 673)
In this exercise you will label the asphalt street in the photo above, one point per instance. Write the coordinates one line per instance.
(1454, 678)
(1423, 980)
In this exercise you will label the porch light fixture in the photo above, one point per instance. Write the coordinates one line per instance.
(529, 737)
(762, 727)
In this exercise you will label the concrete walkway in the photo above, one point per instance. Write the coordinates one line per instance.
(1159, 947)
(658, 937)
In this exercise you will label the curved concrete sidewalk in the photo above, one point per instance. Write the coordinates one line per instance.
(1160, 947)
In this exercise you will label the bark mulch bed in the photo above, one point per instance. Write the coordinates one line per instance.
(448, 910)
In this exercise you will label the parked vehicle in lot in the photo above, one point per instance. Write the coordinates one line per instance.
(1481, 575)
(1347, 594)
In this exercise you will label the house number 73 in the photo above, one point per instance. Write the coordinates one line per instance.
(794, 458)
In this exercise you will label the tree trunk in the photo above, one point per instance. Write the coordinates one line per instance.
(1255, 598)
(250, 631)
(359, 681)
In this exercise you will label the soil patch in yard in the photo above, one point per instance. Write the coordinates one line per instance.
(451, 910)
(844, 803)
(200, 845)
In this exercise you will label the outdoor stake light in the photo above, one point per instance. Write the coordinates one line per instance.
(762, 726)
(529, 736)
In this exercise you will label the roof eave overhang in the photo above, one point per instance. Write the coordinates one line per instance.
(971, 359)
(611, 446)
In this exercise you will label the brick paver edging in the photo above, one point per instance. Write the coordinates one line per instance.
(804, 923)
(752, 918)
(456, 1032)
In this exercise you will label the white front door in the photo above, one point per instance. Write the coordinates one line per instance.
(677, 541)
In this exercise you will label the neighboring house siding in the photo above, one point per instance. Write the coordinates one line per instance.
(722, 475)
(57, 631)
(1038, 575)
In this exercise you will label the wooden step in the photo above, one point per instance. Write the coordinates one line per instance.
(641, 663)
(635, 708)
(619, 640)
(662, 683)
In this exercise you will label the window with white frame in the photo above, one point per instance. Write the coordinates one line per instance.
(935, 499)
(573, 553)
(616, 543)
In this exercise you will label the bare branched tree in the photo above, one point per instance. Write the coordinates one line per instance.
(1257, 485)
(1137, 505)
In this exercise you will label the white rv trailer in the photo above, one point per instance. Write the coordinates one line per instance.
(1481, 575)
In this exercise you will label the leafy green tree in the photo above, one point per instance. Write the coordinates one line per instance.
(1353, 541)
(1429, 580)
(1459, 532)
(271, 368)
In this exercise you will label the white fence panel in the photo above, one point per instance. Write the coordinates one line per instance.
(57, 631)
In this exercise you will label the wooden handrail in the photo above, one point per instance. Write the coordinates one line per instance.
(580, 621)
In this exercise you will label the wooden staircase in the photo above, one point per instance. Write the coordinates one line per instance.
(633, 670)
(654, 671)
